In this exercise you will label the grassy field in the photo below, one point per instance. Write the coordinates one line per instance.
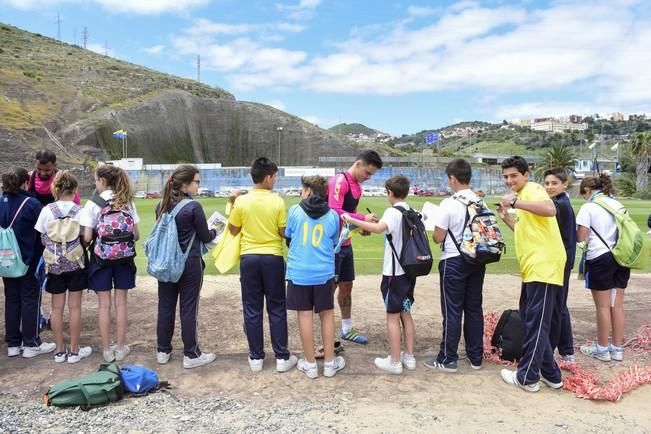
(369, 250)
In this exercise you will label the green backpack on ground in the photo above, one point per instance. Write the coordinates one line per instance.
(632, 248)
(92, 390)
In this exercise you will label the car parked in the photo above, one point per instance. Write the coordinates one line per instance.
(140, 194)
(205, 192)
(152, 195)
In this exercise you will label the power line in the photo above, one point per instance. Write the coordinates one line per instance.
(84, 35)
(199, 68)
(58, 23)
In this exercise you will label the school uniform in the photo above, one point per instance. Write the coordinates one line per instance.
(105, 277)
(22, 294)
(190, 220)
(259, 214)
(541, 258)
(396, 287)
(461, 286)
(560, 333)
(311, 234)
(68, 281)
(602, 272)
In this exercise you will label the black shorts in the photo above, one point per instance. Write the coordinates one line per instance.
(345, 265)
(71, 281)
(603, 273)
(397, 293)
(106, 277)
(308, 297)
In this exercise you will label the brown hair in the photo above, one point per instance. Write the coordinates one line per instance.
(117, 180)
(317, 184)
(182, 175)
(12, 181)
(399, 185)
(594, 183)
(64, 183)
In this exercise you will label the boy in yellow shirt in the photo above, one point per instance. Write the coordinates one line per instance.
(541, 256)
(261, 217)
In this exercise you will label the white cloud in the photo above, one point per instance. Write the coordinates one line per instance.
(203, 26)
(140, 7)
(100, 49)
(155, 49)
(277, 105)
(303, 10)
(311, 119)
(417, 11)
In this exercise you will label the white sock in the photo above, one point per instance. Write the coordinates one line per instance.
(346, 325)
(600, 348)
(616, 348)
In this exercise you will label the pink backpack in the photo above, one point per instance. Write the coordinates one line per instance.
(115, 242)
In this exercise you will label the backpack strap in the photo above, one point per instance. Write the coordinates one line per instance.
(467, 202)
(599, 236)
(18, 212)
(56, 211)
(611, 211)
(179, 206)
(98, 200)
(393, 247)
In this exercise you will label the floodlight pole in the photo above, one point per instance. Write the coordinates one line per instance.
(279, 130)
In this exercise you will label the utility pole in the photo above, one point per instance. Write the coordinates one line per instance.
(106, 47)
(199, 68)
(84, 35)
(58, 23)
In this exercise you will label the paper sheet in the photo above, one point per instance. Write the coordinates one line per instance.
(429, 211)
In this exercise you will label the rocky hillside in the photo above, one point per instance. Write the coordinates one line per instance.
(62, 97)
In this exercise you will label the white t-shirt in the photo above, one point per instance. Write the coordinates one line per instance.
(603, 222)
(89, 215)
(46, 215)
(452, 215)
(393, 219)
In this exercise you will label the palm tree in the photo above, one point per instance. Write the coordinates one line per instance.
(641, 149)
(558, 156)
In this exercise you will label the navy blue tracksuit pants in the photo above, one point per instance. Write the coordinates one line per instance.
(22, 310)
(263, 278)
(560, 333)
(186, 290)
(461, 296)
(538, 301)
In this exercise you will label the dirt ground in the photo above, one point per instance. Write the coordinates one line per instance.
(424, 401)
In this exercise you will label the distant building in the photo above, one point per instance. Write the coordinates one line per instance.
(617, 117)
(576, 119)
(556, 126)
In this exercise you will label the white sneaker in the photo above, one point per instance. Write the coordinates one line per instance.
(203, 359)
(551, 383)
(594, 351)
(60, 357)
(109, 355)
(162, 357)
(408, 360)
(283, 365)
(256, 364)
(388, 365)
(14, 351)
(331, 368)
(511, 377)
(569, 358)
(121, 353)
(82, 353)
(44, 348)
(475, 367)
(616, 353)
(309, 369)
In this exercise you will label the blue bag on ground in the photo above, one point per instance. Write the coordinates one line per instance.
(138, 379)
(165, 258)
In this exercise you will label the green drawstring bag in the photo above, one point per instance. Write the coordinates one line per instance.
(99, 388)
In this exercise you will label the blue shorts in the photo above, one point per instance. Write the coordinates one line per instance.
(397, 293)
(345, 265)
(107, 277)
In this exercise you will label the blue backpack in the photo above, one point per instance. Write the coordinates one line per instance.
(165, 258)
(138, 379)
(11, 259)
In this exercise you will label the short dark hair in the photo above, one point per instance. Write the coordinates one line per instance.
(516, 161)
(370, 158)
(46, 156)
(398, 185)
(460, 169)
(317, 184)
(558, 172)
(12, 181)
(262, 167)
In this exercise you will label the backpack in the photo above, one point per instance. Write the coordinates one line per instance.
(165, 258)
(138, 379)
(91, 390)
(11, 259)
(482, 239)
(115, 241)
(416, 255)
(507, 337)
(632, 248)
(63, 250)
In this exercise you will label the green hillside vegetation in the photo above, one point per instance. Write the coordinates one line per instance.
(44, 80)
(346, 129)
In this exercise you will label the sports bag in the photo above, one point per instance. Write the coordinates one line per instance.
(63, 250)
(165, 258)
(11, 259)
(115, 241)
(482, 239)
(632, 248)
(416, 255)
(91, 390)
(507, 337)
(138, 379)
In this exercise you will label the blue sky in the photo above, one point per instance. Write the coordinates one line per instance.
(400, 67)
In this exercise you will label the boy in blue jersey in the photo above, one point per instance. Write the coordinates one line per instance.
(311, 233)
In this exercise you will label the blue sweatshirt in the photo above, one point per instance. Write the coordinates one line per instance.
(29, 239)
